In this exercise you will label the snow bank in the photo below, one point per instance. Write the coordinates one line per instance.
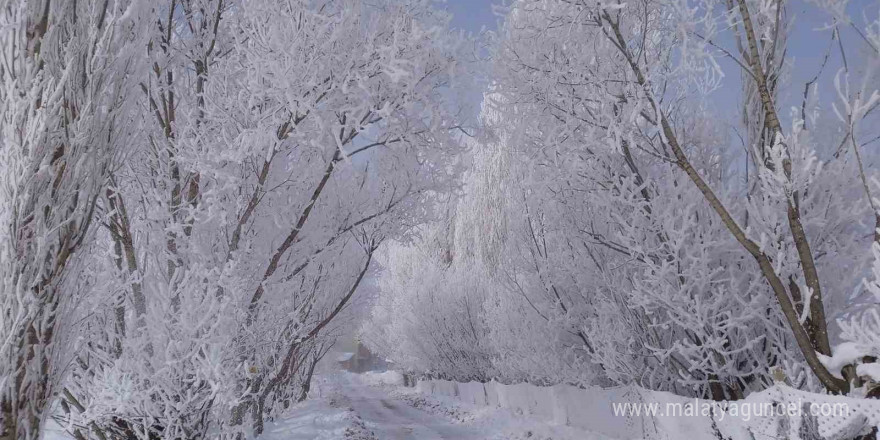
(631, 412)
(589, 409)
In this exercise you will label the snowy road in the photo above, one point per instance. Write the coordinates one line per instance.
(347, 406)
(395, 419)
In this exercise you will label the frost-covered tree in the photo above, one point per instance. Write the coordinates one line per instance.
(282, 144)
(429, 315)
(634, 234)
(66, 106)
(687, 279)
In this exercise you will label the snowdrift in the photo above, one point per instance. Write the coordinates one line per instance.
(632, 412)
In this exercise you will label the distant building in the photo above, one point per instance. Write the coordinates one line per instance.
(360, 361)
(346, 360)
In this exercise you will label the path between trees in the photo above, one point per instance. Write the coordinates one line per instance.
(359, 407)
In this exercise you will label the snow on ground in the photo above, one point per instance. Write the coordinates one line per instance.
(377, 406)
(318, 419)
(53, 431)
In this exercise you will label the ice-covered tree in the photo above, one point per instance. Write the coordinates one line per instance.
(683, 277)
(282, 144)
(428, 317)
(637, 235)
(66, 109)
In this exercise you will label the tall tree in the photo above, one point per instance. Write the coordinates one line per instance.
(66, 103)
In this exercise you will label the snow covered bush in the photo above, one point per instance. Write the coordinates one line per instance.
(428, 317)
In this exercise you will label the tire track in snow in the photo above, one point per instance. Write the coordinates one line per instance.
(394, 419)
